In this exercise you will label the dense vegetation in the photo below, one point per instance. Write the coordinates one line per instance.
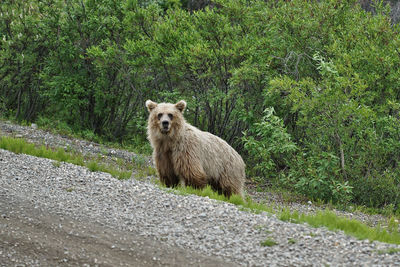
(307, 91)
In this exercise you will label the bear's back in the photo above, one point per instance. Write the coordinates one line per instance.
(214, 152)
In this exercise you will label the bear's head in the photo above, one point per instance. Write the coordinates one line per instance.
(165, 118)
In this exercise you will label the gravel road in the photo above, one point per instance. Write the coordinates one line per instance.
(65, 215)
(30, 235)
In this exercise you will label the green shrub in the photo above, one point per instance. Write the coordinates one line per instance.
(345, 109)
(378, 190)
(318, 178)
(269, 145)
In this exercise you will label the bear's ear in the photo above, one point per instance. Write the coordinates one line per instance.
(181, 105)
(150, 105)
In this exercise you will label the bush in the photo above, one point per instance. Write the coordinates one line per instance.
(269, 145)
(274, 155)
(318, 177)
(378, 190)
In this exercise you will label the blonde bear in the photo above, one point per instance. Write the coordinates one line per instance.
(188, 156)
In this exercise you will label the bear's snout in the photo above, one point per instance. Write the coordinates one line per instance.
(165, 124)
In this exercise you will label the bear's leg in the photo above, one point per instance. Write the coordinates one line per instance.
(195, 177)
(229, 188)
(192, 173)
(227, 192)
(170, 180)
(166, 170)
(226, 189)
(215, 186)
(196, 180)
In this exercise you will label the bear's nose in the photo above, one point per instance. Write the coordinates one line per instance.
(165, 124)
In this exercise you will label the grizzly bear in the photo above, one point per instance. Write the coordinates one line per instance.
(188, 156)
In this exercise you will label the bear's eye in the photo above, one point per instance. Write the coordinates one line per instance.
(170, 116)
(159, 115)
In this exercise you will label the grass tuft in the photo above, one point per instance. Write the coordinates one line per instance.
(61, 155)
(56, 164)
(93, 166)
(142, 172)
(268, 243)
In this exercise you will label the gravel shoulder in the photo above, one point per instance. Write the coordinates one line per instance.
(67, 215)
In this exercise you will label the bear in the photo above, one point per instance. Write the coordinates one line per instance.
(184, 155)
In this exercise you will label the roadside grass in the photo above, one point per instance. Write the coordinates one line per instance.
(389, 251)
(136, 143)
(330, 220)
(20, 146)
(246, 205)
(144, 171)
(324, 218)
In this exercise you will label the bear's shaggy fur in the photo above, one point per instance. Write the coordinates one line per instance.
(188, 156)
